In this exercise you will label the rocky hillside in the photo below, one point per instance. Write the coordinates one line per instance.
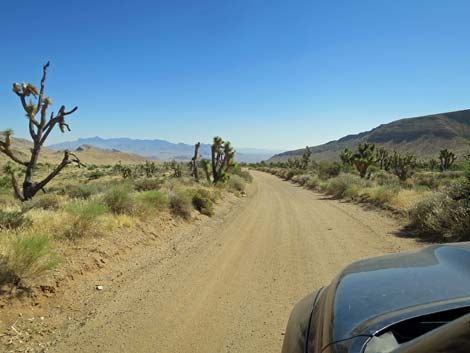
(424, 136)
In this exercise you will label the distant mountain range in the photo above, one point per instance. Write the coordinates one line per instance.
(160, 149)
(424, 136)
(87, 154)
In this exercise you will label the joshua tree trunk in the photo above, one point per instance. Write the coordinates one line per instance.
(39, 131)
(195, 172)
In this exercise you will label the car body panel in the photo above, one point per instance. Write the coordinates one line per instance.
(372, 294)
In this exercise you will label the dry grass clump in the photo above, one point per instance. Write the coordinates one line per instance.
(83, 219)
(345, 185)
(236, 183)
(152, 200)
(45, 202)
(119, 200)
(180, 202)
(444, 214)
(202, 201)
(27, 258)
(13, 220)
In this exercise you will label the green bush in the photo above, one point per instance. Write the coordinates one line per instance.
(236, 183)
(344, 185)
(181, 203)
(312, 183)
(83, 220)
(13, 220)
(29, 257)
(119, 200)
(5, 182)
(154, 199)
(327, 170)
(147, 184)
(202, 202)
(381, 177)
(385, 194)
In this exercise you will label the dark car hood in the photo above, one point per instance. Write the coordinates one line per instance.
(379, 286)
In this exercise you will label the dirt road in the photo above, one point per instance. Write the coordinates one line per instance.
(232, 283)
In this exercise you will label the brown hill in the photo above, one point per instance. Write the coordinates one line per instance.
(87, 154)
(424, 136)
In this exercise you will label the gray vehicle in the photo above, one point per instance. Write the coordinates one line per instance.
(402, 303)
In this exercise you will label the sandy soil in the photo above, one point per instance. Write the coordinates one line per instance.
(228, 284)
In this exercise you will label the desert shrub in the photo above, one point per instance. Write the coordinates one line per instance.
(13, 220)
(5, 182)
(344, 185)
(202, 202)
(291, 172)
(83, 219)
(466, 170)
(119, 200)
(147, 184)
(236, 183)
(385, 194)
(154, 199)
(246, 176)
(440, 215)
(95, 174)
(45, 202)
(237, 170)
(312, 182)
(381, 177)
(83, 191)
(327, 170)
(28, 258)
(301, 179)
(181, 203)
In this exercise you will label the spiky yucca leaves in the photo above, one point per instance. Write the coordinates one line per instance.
(403, 165)
(305, 161)
(364, 157)
(446, 158)
(223, 159)
(346, 156)
(383, 158)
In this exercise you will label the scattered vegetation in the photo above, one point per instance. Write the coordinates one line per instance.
(434, 193)
(79, 204)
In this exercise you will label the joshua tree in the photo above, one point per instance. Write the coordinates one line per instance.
(206, 166)
(403, 165)
(346, 157)
(433, 163)
(39, 128)
(222, 155)
(305, 158)
(364, 158)
(447, 158)
(177, 169)
(194, 164)
(383, 157)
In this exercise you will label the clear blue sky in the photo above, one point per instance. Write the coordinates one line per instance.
(273, 74)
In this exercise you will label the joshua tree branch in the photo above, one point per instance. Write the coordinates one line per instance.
(16, 189)
(5, 149)
(68, 159)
